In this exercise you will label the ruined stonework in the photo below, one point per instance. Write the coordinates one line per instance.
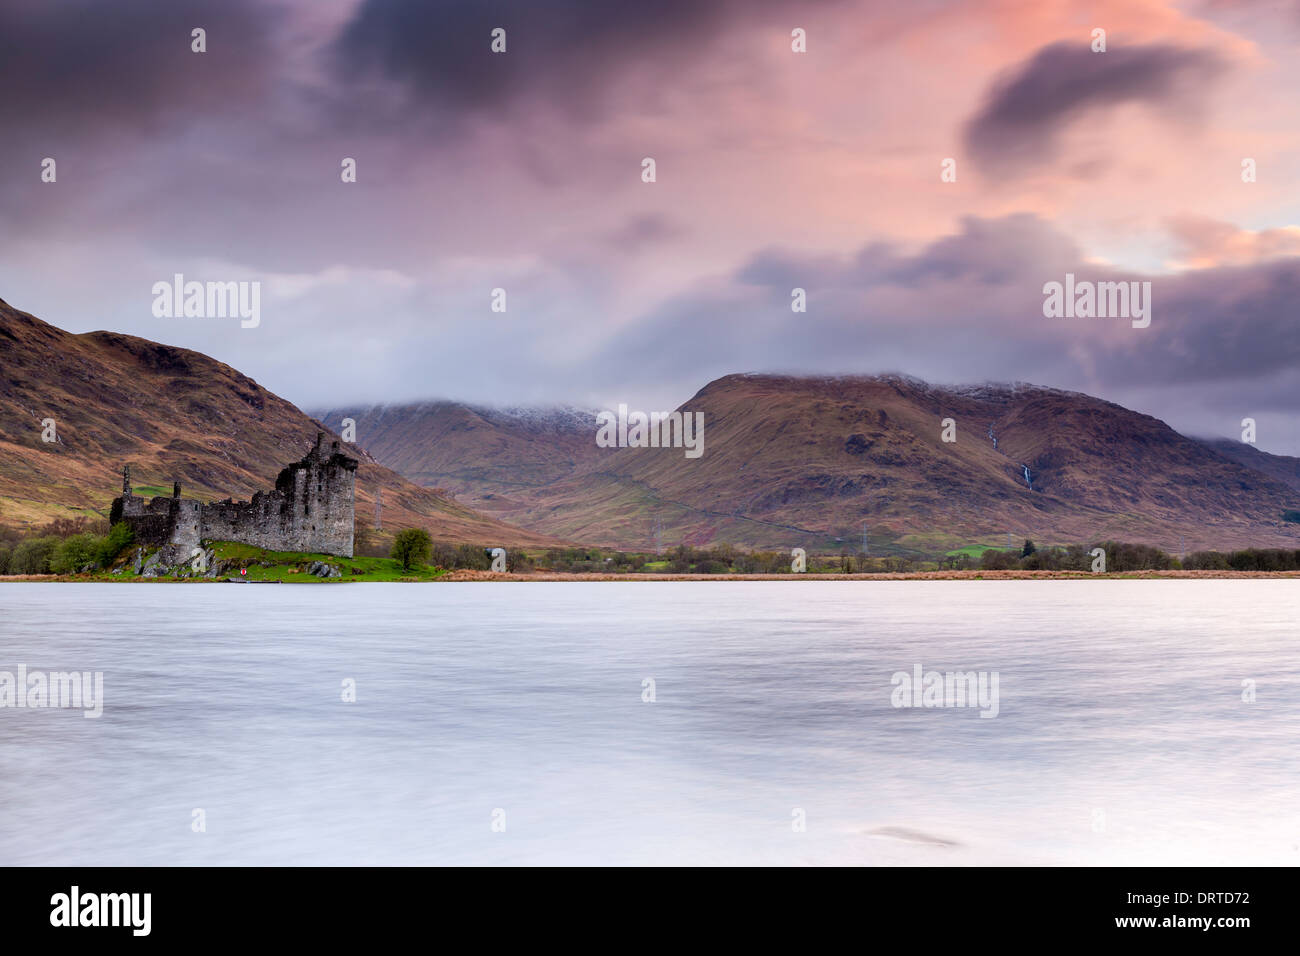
(310, 509)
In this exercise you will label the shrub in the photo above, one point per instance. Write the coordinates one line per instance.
(1044, 559)
(118, 539)
(1268, 559)
(518, 562)
(1247, 560)
(473, 557)
(33, 555)
(1134, 557)
(994, 560)
(1077, 557)
(443, 555)
(74, 553)
(411, 547)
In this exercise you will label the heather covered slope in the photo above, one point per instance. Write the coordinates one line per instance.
(806, 461)
(1283, 468)
(487, 457)
(172, 414)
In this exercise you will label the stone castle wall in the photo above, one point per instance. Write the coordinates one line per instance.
(310, 509)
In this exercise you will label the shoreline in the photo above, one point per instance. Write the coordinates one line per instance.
(971, 575)
(570, 577)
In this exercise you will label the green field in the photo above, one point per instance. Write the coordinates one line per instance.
(286, 566)
(291, 566)
(972, 551)
(151, 491)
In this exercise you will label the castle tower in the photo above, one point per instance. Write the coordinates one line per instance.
(126, 481)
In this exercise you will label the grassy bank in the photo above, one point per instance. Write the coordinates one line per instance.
(454, 576)
(291, 566)
(83, 556)
(258, 565)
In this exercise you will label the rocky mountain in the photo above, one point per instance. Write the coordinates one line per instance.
(808, 461)
(485, 456)
(171, 414)
(1283, 468)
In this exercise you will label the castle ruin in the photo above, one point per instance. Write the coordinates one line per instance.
(310, 509)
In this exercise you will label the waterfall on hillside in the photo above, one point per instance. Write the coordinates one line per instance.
(1027, 481)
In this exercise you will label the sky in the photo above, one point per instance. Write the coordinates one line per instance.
(522, 170)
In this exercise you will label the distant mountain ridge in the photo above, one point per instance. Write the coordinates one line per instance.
(481, 454)
(1283, 468)
(805, 461)
(788, 461)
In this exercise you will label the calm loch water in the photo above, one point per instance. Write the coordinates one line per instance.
(1121, 734)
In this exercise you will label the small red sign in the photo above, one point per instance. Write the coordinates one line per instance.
(243, 570)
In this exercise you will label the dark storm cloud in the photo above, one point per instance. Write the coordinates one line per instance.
(968, 307)
(127, 65)
(1222, 324)
(985, 252)
(113, 92)
(777, 269)
(1026, 111)
(562, 51)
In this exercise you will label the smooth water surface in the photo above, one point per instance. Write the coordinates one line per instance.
(1121, 735)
